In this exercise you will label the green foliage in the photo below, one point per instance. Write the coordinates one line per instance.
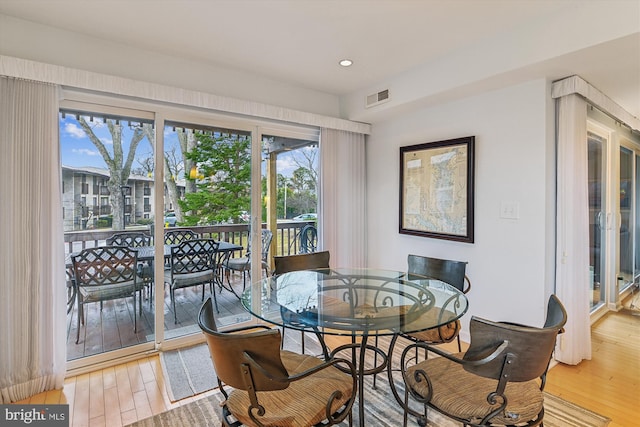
(223, 182)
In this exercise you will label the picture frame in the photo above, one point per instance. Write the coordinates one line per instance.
(437, 189)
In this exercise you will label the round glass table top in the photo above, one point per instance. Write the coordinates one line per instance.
(355, 301)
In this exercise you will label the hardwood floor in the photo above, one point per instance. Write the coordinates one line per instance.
(608, 384)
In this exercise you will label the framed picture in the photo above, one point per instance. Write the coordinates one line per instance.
(436, 189)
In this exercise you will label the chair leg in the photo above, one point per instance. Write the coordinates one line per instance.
(215, 299)
(80, 313)
(135, 318)
(173, 301)
(284, 328)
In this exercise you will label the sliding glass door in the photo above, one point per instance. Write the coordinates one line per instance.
(597, 146)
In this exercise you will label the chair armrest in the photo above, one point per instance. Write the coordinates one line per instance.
(245, 329)
(299, 376)
(467, 286)
(493, 353)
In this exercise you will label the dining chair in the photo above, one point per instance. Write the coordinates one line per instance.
(191, 264)
(448, 271)
(445, 270)
(243, 264)
(498, 381)
(136, 239)
(266, 386)
(287, 263)
(106, 273)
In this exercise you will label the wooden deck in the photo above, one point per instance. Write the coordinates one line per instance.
(112, 327)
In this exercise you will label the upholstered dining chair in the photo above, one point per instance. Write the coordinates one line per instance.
(498, 381)
(192, 263)
(106, 273)
(448, 271)
(287, 263)
(266, 386)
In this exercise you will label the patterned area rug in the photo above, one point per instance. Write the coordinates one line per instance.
(381, 410)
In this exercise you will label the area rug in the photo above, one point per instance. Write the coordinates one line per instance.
(188, 371)
(381, 411)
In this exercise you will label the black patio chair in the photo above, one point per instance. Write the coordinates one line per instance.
(243, 264)
(192, 263)
(136, 239)
(106, 273)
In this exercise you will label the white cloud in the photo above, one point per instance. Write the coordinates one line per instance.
(74, 130)
(85, 152)
(285, 165)
(106, 141)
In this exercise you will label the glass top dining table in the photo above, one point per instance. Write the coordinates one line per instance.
(358, 303)
(350, 301)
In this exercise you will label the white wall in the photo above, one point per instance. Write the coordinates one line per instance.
(508, 263)
(28, 40)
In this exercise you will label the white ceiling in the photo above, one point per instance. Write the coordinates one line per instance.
(301, 41)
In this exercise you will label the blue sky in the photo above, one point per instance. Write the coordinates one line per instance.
(78, 150)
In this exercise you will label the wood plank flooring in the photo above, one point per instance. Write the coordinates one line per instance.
(608, 384)
(110, 327)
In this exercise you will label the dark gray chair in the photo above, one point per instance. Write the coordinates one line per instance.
(131, 239)
(243, 264)
(498, 381)
(135, 239)
(106, 273)
(286, 264)
(308, 238)
(192, 263)
(264, 385)
(173, 237)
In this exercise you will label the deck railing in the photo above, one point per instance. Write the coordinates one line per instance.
(286, 241)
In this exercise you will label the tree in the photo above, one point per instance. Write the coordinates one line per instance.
(119, 166)
(223, 179)
(302, 185)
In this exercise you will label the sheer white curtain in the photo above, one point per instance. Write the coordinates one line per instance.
(572, 246)
(32, 279)
(342, 228)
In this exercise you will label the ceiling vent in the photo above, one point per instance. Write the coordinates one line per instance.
(377, 98)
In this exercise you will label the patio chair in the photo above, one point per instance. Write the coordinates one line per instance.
(243, 264)
(191, 264)
(308, 238)
(286, 264)
(106, 273)
(173, 237)
(265, 386)
(135, 239)
(498, 381)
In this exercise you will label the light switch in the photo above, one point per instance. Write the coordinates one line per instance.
(510, 210)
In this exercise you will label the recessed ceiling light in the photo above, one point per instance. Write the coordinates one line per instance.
(346, 62)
